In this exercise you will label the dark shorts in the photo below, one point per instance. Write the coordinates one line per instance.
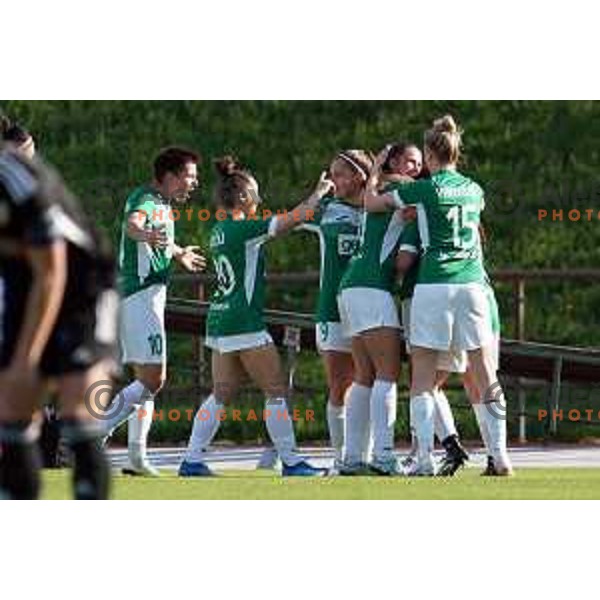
(85, 331)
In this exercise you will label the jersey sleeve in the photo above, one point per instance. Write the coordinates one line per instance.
(410, 193)
(258, 230)
(29, 205)
(139, 202)
(40, 229)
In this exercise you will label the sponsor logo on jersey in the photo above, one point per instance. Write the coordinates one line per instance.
(347, 244)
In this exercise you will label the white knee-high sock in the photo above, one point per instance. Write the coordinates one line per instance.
(336, 417)
(383, 400)
(413, 434)
(138, 429)
(124, 403)
(281, 430)
(358, 411)
(495, 419)
(422, 408)
(480, 411)
(205, 427)
(443, 418)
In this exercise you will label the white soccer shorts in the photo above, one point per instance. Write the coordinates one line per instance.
(237, 343)
(330, 337)
(363, 309)
(142, 327)
(451, 361)
(450, 317)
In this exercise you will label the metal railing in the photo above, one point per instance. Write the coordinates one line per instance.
(519, 278)
(524, 361)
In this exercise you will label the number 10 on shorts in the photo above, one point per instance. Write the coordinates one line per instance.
(156, 344)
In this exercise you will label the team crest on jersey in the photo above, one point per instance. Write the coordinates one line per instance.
(217, 238)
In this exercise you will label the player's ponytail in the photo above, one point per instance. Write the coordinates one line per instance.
(226, 166)
(443, 140)
(233, 180)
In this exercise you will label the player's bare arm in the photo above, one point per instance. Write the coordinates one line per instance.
(49, 274)
(137, 230)
(305, 211)
(374, 200)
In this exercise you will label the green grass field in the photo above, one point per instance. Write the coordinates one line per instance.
(538, 484)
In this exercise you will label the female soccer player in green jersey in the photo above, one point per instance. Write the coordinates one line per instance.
(407, 263)
(236, 331)
(337, 225)
(370, 317)
(407, 266)
(449, 307)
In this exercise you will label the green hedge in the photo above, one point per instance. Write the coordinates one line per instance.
(527, 155)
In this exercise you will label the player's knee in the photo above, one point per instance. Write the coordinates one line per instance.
(338, 389)
(440, 378)
(153, 382)
(224, 394)
(390, 374)
(366, 378)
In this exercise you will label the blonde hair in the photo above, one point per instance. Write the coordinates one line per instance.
(443, 139)
(360, 161)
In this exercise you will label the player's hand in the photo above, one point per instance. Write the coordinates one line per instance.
(380, 159)
(191, 260)
(157, 238)
(324, 186)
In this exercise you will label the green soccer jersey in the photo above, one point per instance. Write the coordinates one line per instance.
(448, 210)
(141, 265)
(238, 257)
(410, 242)
(337, 225)
(373, 265)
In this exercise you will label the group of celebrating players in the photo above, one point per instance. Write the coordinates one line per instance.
(401, 216)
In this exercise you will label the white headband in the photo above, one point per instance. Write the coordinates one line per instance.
(349, 160)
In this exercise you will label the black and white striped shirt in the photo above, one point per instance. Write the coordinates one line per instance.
(37, 208)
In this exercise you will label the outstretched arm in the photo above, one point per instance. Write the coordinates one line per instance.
(373, 199)
(305, 211)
